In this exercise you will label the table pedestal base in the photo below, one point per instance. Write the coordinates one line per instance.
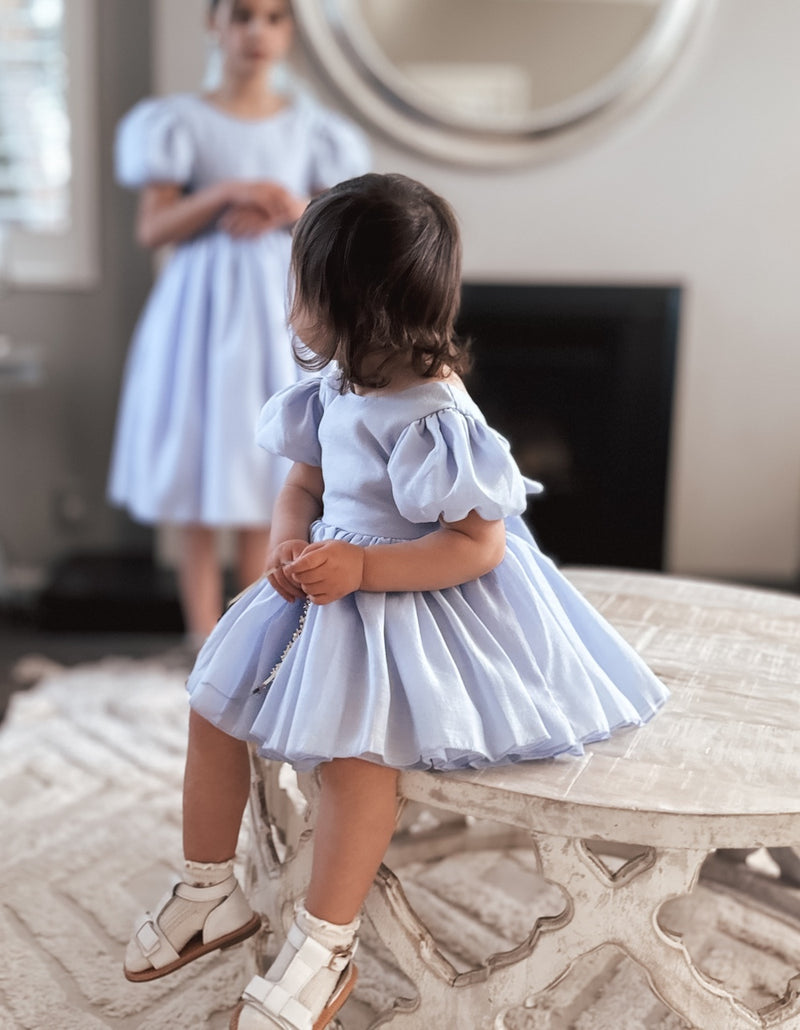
(612, 896)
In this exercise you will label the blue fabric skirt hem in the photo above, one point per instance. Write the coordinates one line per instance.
(214, 706)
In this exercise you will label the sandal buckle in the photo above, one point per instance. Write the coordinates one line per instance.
(148, 939)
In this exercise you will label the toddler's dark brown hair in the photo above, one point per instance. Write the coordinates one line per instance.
(376, 263)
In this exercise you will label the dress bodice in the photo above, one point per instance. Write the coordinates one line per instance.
(187, 140)
(394, 464)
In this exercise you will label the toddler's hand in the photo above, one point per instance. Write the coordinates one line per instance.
(328, 570)
(278, 570)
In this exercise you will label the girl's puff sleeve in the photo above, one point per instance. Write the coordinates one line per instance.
(153, 143)
(289, 422)
(448, 464)
(339, 151)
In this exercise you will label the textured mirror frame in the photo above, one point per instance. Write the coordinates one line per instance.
(379, 93)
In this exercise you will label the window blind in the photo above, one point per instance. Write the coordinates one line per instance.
(35, 160)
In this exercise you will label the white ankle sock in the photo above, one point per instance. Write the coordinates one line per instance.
(332, 935)
(205, 874)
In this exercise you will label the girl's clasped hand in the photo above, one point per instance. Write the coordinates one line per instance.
(323, 571)
(258, 207)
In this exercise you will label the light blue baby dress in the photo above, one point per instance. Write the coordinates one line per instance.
(212, 342)
(512, 666)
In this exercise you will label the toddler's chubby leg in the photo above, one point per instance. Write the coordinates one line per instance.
(313, 973)
(206, 909)
(357, 817)
(216, 785)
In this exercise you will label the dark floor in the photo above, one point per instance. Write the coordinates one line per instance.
(67, 647)
(93, 606)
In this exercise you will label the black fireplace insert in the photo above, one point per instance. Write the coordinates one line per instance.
(580, 381)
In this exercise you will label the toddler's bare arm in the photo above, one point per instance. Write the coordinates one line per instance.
(456, 553)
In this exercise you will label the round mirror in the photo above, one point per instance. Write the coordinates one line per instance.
(494, 81)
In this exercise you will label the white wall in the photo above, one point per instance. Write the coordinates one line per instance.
(701, 187)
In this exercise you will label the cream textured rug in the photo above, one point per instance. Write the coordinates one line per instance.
(91, 761)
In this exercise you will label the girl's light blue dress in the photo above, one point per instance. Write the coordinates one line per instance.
(515, 665)
(212, 342)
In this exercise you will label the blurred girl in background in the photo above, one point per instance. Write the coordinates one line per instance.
(222, 177)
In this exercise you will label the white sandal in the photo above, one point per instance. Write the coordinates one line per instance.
(229, 922)
(268, 1005)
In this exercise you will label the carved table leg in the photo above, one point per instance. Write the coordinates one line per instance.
(602, 907)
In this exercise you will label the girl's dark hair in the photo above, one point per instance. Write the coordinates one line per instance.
(376, 263)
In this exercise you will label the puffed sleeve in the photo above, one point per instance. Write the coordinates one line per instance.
(154, 144)
(289, 422)
(339, 151)
(449, 464)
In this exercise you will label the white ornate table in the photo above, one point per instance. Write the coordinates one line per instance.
(620, 831)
